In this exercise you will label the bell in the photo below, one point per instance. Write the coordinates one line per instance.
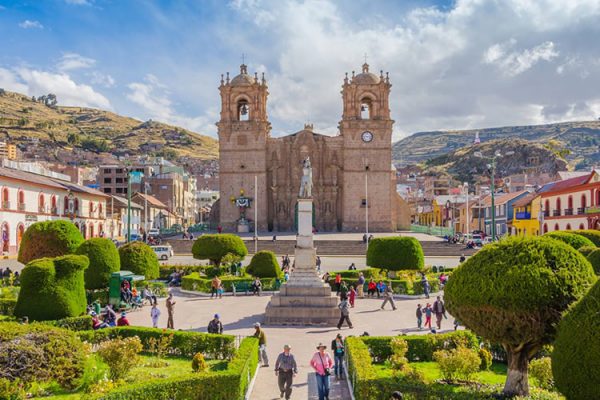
(363, 108)
(244, 110)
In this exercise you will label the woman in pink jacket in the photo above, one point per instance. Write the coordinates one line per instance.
(322, 364)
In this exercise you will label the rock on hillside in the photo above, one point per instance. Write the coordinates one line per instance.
(581, 138)
(23, 120)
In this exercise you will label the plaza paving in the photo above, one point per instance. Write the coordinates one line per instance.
(238, 314)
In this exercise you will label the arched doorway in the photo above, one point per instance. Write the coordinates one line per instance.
(568, 227)
(5, 238)
(556, 227)
(91, 230)
(20, 232)
(545, 228)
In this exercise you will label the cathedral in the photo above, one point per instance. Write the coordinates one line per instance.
(354, 187)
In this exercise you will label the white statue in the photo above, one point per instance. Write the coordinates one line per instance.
(306, 180)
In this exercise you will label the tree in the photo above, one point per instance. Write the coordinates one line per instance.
(395, 253)
(49, 239)
(140, 259)
(52, 288)
(264, 265)
(73, 138)
(104, 260)
(216, 247)
(514, 293)
(576, 355)
(574, 240)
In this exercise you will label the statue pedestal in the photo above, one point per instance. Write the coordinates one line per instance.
(304, 299)
(243, 227)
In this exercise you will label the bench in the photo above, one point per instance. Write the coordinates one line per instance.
(241, 287)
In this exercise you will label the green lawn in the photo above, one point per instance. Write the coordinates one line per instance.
(147, 370)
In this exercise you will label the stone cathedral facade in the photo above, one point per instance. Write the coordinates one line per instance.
(357, 161)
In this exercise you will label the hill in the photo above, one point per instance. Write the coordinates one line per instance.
(523, 157)
(25, 120)
(582, 139)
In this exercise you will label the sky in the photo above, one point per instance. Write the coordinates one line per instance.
(453, 64)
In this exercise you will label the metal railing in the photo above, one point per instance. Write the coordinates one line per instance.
(556, 213)
(21, 207)
(568, 211)
(523, 215)
(581, 210)
(6, 205)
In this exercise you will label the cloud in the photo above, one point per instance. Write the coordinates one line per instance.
(517, 62)
(36, 82)
(73, 61)
(28, 24)
(98, 78)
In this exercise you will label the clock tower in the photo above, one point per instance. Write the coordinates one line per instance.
(369, 177)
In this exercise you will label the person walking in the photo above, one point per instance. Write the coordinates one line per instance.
(154, 314)
(338, 349)
(215, 326)
(360, 285)
(426, 286)
(344, 307)
(318, 264)
(285, 371)
(419, 317)
(388, 295)
(322, 363)
(215, 284)
(262, 344)
(439, 309)
(351, 295)
(170, 311)
(428, 313)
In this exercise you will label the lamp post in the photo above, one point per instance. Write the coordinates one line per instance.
(468, 225)
(128, 205)
(367, 201)
(492, 169)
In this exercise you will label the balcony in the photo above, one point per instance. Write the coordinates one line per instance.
(592, 210)
(21, 207)
(546, 213)
(581, 211)
(101, 215)
(556, 213)
(523, 215)
(568, 211)
(6, 205)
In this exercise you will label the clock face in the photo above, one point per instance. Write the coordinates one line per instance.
(367, 136)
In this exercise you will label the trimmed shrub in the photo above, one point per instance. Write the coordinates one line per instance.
(572, 239)
(541, 370)
(216, 247)
(586, 250)
(368, 273)
(486, 359)
(513, 292)
(264, 265)
(198, 283)
(81, 323)
(49, 239)
(166, 270)
(457, 363)
(198, 363)
(577, 349)
(140, 259)
(594, 259)
(395, 253)
(7, 306)
(399, 349)
(104, 260)
(52, 288)
(591, 234)
(121, 355)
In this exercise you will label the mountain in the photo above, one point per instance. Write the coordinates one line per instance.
(41, 123)
(518, 156)
(581, 139)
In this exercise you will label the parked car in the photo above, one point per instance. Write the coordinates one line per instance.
(163, 252)
(477, 239)
(153, 232)
(487, 240)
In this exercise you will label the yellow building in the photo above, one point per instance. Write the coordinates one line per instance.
(526, 212)
(8, 151)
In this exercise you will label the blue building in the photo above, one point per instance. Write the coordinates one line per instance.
(504, 211)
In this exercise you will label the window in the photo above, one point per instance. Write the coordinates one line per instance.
(107, 170)
(583, 201)
(5, 202)
(545, 228)
(107, 190)
(54, 208)
(118, 180)
(107, 180)
(119, 170)
(119, 190)
(568, 227)
(556, 227)
(581, 226)
(42, 203)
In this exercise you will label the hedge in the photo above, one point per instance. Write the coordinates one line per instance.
(216, 247)
(7, 306)
(576, 355)
(591, 234)
(104, 260)
(198, 283)
(230, 384)
(49, 239)
(184, 343)
(52, 288)
(395, 253)
(164, 271)
(264, 265)
(81, 323)
(368, 273)
(594, 259)
(399, 286)
(586, 250)
(572, 239)
(140, 259)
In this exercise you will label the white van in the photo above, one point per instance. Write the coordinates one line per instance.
(153, 232)
(163, 252)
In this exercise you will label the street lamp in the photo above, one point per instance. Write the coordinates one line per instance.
(468, 227)
(492, 168)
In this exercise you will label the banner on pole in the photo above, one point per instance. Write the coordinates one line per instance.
(136, 176)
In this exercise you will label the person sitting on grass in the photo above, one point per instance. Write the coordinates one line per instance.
(110, 317)
(96, 323)
(123, 321)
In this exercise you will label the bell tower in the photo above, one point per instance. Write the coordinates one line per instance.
(366, 128)
(243, 134)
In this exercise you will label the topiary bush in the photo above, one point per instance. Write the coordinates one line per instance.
(264, 265)
(395, 253)
(198, 363)
(591, 234)
(53, 288)
(594, 259)
(486, 359)
(49, 239)
(514, 292)
(140, 259)
(216, 247)
(586, 250)
(458, 363)
(104, 260)
(121, 355)
(541, 371)
(577, 349)
(572, 239)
